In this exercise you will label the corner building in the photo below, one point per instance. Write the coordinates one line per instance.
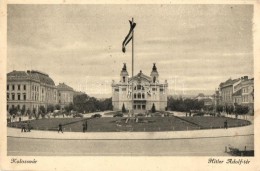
(147, 90)
(30, 90)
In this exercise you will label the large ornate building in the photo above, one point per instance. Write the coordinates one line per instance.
(147, 90)
(29, 90)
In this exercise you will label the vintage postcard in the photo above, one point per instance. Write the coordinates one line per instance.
(129, 85)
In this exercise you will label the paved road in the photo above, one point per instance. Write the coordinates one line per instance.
(175, 147)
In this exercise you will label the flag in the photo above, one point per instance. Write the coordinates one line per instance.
(129, 36)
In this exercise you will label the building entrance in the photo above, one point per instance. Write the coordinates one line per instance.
(140, 106)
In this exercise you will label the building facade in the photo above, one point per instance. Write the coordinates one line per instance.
(30, 90)
(238, 92)
(147, 91)
(227, 89)
(65, 94)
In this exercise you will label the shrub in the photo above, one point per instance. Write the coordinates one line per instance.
(153, 108)
(123, 108)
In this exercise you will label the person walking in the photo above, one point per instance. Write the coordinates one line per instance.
(84, 127)
(225, 124)
(60, 128)
(23, 128)
(28, 126)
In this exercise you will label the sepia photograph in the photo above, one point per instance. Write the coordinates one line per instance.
(130, 80)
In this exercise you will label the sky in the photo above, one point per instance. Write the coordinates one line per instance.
(195, 47)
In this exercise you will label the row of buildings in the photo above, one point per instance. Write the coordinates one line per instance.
(32, 89)
(238, 91)
(232, 92)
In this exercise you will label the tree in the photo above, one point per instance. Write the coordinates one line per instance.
(42, 111)
(153, 108)
(219, 109)
(123, 108)
(50, 108)
(34, 113)
(241, 110)
(83, 102)
(69, 107)
(23, 110)
(13, 110)
(57, 107)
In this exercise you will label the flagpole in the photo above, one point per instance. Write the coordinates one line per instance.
(133, 71)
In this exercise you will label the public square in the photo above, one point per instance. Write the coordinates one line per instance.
(197, 142)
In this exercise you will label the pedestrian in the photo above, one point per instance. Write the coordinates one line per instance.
(28, 126)
(84, 127)
(225, 124)
(60, 128)
(23, 128)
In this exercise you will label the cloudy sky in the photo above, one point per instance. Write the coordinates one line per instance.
(195, 47)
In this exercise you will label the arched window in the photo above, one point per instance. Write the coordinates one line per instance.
(124, 79)
(139, 95)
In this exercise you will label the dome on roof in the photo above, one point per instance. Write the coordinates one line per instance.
(42, 77)
(34, 75)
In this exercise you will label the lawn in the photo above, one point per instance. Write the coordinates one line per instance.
(148, 124)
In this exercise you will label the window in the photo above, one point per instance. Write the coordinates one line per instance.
(24, 96)
(123, 89)
(134, 95)
(139, 96)
(13, 87)
(7, 87)
(18, 97)
(116, 89)
(13, 96)
(143, 106)
(123, 79)
(7, 107)
(154, 79)
(24, 87)
(154, 89)
(19, 87)
(18, 107)
(161, 89)
(7, 96)
(143, 96)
